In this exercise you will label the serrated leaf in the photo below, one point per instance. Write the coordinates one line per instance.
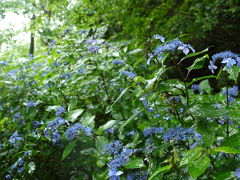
(226, 150)
(160, 170)
(197, 167)
(68, 149)
(134, 164)
(73, 115)
(191, 155)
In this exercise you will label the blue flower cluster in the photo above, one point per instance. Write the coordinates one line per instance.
(232, 92)
(52, 128)
(60, 110)
(113, 148)
(173, 99)
(31, 104)
(129, 74)
(238, 173)
(178, 134)
(15, 139)
(152, 131)
(229, 58)
(119, 161)
(73, 131)
(118, 61)
(171, 46)
(146, 105)
(195, 88)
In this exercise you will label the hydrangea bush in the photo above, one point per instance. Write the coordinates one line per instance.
(92, 109)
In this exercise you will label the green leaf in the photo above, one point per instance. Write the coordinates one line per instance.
(160, 170)
(197, 167)
(101, 141)
(233, 140)
(136, 163)
(198, 63)
(73, 103)
(234, 72)
(88, 120)
(191, 155)
(135, 51)
(205, 86)
(208, 134)
(227, 150)
(68, 149)
(122, 93)
(73, 115)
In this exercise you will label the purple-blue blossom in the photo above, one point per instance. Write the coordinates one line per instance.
(129, 74)
(15, 139)
(195, 88)
(178, 134)
(118, 61)
(113, 148)
(238, 173)
(60, 110)
(161, 38)
(212, 67)
(31, 104)
(232, 92)
(152, 131)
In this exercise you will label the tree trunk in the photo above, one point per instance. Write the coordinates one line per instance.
(31, 48)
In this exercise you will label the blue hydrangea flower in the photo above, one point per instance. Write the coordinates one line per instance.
(224, 55)
(129, 74)
(118, 61)
(20, 170)
(113, 148)
(238, 173)
(131, 133)
(20, 162)
(152, 131)
(87, 131)
(177, 134)
(31, 104)
(8, 177)
(60, 110)
(53, 126)
(212, 67)
(35, 124)
(232, 92)
(110, 130)
(229, 62)
(195, 88)
(73, 131)
(56, 137)
(15, 139)
(161, 38)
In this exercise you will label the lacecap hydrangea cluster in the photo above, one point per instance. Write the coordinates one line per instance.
(171, 46)
(73, 131)
(227, 58)
(120, 158)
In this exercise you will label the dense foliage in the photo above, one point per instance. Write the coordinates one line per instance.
(91, 109)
